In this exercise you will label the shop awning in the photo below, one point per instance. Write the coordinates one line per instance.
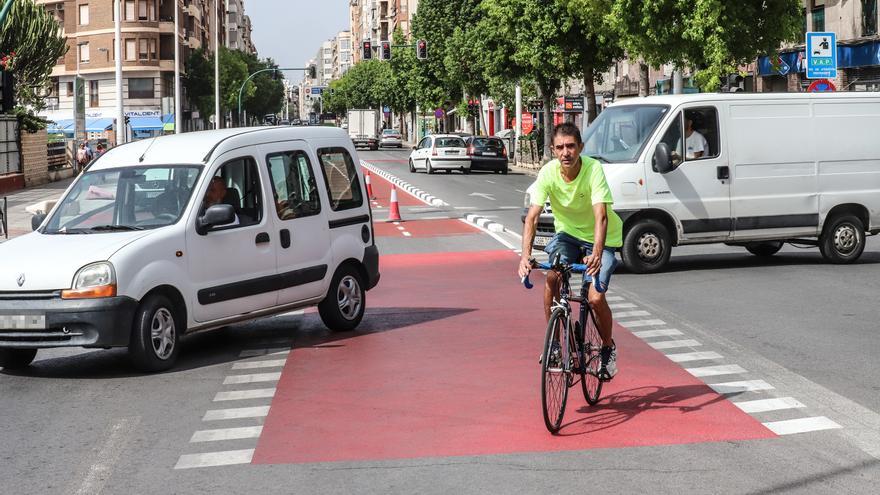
(60, 126)
(98, 125)
(168, 122)
(146, 123)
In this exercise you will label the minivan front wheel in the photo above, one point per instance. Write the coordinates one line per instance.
(155, 337)
(343, 307)
(843, 239)
(16, 359)
(646, 247)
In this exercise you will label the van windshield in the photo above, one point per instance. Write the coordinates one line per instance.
(125, 199)
(620, 132)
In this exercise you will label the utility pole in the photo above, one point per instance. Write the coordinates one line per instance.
(216, 66)
(677, 82)
(117, 50)
(177, 112)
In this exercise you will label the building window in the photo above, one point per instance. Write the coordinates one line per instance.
(143, 45)
(153, 54)
(84, 53)
(818, 14)
(93, 94)
(141, 88)
(130, 50)
(70, 89)
(129, 10)
(83, 14)
(869, 17)
(151, 9)
(142, 10)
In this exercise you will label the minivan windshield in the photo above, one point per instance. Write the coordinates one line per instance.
(116, 200)
(620, 132)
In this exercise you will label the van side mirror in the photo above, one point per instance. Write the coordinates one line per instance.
(662, 159)
(215, 215)
(36, 220)
(415, 147)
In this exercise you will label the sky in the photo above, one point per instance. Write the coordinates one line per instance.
(291, 31)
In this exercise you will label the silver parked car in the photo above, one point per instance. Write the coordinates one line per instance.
(391, 138)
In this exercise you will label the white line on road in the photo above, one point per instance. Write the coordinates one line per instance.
(226, 434)
(668, 332)
(724, 369)
(614, 298)
(406, 234)
(250, 365)
(211, 459)
(630, 314)
(519, 191)
(236, 413)
(100, 470)
(264, 352)
(801, 425)
(401, 228)
(259, 393)
(465, 207)
(252, 378)
(743, 386)
(674, 344)
(693, 356)
(622, 305)
(641, 323)
(765, 405)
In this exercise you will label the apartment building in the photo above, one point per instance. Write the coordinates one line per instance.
(342, 59)
(148, 40)
(238, 28)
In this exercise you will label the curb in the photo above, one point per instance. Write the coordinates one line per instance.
(485, 223)
(405, 186)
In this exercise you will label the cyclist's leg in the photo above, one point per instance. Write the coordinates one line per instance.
(597, 299)
(567, 249)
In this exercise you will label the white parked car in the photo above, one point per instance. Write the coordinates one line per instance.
(440, 152)
(391, 138)
(189, 232)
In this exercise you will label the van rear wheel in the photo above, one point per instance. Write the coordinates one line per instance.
(16, 359)
(343, 307)
(646, 247)
(843, 239)
(764, 249)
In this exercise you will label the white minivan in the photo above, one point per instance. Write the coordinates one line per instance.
(189, 232)
(753, 170)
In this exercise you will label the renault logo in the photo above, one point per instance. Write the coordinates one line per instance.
(20, 280)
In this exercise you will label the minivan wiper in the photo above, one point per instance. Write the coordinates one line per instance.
(600, 158)
(111, 228)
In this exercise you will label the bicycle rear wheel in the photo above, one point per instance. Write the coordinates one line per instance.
(590, 383)
(554, 384)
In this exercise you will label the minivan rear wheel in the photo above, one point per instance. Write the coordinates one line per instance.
(16, 359)
(155, 337)
(843, 239)
(646, 246)
(343, 307)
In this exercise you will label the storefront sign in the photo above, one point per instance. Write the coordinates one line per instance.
(528, 123)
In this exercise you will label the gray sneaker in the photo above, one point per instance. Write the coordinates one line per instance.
(608, 368)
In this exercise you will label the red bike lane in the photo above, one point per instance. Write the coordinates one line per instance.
(445, 364)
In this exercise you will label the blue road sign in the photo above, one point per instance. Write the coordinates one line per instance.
(317, 90)
(821, 55)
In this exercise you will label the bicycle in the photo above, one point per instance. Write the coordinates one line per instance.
(569, 349)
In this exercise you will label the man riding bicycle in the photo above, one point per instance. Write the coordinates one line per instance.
(585, 227)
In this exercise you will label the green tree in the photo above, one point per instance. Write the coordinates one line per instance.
(31, 42)
(711, 36)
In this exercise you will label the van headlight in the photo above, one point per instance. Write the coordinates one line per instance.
(528, 201)
(92, 281)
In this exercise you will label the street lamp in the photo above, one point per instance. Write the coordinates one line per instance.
(241, 90)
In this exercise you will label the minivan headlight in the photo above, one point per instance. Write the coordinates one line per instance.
(528, 201)
(92, 281)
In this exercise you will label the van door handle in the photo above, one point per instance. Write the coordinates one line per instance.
(285, 238)
(262, 238)
(723, 173)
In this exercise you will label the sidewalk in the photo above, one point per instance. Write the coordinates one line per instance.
(19, 221)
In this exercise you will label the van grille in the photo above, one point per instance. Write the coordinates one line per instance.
(29, 295)
(53, 336)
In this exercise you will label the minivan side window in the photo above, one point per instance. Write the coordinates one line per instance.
(237, 183)
(293, 184)
(341, 178)
(701, 133)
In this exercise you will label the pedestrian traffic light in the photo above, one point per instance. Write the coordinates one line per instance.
(422, 49)
(313, 72)
(386, 50)
(368, 50)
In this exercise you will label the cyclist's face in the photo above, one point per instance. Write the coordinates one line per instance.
(567, 149)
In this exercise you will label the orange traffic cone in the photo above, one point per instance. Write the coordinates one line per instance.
(394, 209)
(369, 185)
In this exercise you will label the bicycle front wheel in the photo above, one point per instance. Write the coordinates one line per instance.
(554, 384)
(590, 383)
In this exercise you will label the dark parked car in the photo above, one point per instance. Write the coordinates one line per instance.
(487, 153)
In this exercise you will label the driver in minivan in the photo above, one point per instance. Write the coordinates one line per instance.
(215, 195)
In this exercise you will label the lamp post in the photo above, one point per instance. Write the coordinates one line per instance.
(77, 83)
(216, 67)
(177, 111)
(117, 50)
(241, 90)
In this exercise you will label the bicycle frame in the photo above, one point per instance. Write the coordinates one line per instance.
(585, 309)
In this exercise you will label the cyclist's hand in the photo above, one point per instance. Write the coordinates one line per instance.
(525, 267)
(594, 264)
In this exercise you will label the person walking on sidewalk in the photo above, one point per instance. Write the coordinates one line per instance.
(83, 157)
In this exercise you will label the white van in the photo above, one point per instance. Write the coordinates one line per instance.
(190, 232)
(760, 170)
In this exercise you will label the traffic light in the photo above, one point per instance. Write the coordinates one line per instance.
(368, 50)
(422, 49)
(313, 72)
(386, 50)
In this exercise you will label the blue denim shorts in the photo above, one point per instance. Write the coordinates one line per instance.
(573, 250)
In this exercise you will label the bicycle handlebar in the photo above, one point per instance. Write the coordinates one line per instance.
(574, 268)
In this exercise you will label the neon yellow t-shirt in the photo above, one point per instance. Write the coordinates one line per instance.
(572, 202)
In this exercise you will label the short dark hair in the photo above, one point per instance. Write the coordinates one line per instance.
(567, 129)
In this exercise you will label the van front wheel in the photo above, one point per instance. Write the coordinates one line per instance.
(343, 307)
(155, 337)
(646, 247)
(843, 239)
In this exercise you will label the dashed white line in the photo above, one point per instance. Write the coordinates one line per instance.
(236, 413)
(765, 405)
(693, 356)
(280, 351)
(406, 234)
(641, 323)
(630, 314)
(614, 298)
(622, 305)
(724, 369)
(801, 425)
(251, 365)
(226, 434)
(260, 393)
(668, 332)
(252, 378)
(211, 459)
(673, 344)
(743, 386)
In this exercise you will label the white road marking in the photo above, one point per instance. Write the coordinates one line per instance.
(724, 369)
(259, 393)
(236, 413)
(622, 305)
(465, 207)
(668, 332)
(693, 356)
(100, 471)
(630, 314)
(395, 223)
(517, 190)
(401, 228)
(641, 323)
(743, 386)
(264, 352)
(490, 181)
(211, 459)
(251, 365)
(493, 234)
(226, 434)
(801, 425)
(765, 405)
(252, 378)
(406, 234)
(674, 344)
(613, 298)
